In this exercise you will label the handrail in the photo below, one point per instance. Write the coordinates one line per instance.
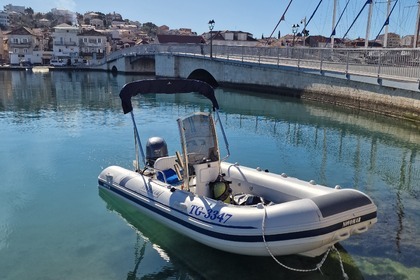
(399, 63)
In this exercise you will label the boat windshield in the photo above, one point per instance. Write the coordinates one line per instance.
(198, 137)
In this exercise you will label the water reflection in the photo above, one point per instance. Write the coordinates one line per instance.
(188, 259)
(59, 90)
(375, 154)
(362, 141)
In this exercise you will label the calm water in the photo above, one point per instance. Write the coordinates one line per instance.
(59, 130)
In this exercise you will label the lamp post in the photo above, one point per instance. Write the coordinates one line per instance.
(295, 28)
(211, 26)
(304, 31)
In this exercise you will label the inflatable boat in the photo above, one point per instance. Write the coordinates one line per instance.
(224, 205)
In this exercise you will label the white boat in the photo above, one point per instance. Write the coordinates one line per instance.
(40, 69)
(229, 206)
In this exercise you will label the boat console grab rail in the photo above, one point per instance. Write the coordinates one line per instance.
(224, 136)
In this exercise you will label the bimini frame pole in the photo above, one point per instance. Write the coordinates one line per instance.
(224, 135)
(136, 134)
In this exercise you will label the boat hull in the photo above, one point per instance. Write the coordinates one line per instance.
(293, 227)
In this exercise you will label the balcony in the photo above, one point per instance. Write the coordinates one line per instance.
(66, 44)
(20, 45)
(91, 45)
(92, 55)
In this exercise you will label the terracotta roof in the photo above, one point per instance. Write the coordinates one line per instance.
(182, 39)
(21, 31)
(65, 25)
(217, 35)
(91, 32)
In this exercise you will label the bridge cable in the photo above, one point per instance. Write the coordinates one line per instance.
(282, 18)
(387, 20)
(366, 3)
(341, 15)
(307, 23)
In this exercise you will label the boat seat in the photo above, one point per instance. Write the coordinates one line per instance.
(164, 163)
(170, 175)
(165, 169)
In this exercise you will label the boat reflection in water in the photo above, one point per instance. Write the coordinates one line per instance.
(187, 258)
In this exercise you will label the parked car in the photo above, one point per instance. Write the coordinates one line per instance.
(58, 62)
(25, 63)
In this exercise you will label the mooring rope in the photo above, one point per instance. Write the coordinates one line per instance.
(317, 267)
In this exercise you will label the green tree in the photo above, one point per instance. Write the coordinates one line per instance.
(150, 28)
(29, 11)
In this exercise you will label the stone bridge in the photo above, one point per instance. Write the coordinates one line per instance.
(378, 80)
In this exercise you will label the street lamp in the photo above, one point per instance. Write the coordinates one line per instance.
(211, 26)
(304, 31)
(295, 28)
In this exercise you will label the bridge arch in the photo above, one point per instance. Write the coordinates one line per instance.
(205, 76)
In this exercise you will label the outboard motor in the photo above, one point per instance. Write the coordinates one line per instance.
(155, 148)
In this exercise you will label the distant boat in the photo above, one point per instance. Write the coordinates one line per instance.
(40, 69)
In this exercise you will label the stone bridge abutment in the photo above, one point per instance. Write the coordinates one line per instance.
(359, 92)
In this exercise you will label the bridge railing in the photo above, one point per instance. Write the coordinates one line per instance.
(390, 63)
(401, 64)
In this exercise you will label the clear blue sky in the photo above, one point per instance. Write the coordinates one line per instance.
(256, 17)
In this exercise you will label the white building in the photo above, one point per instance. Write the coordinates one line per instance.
(11, 8)
(231, 38)
(97, 23)
(4, 18)
(393, 41)
(407, 41)
(93, 45)
(21, 45)
(66, 42)
(2, 54)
